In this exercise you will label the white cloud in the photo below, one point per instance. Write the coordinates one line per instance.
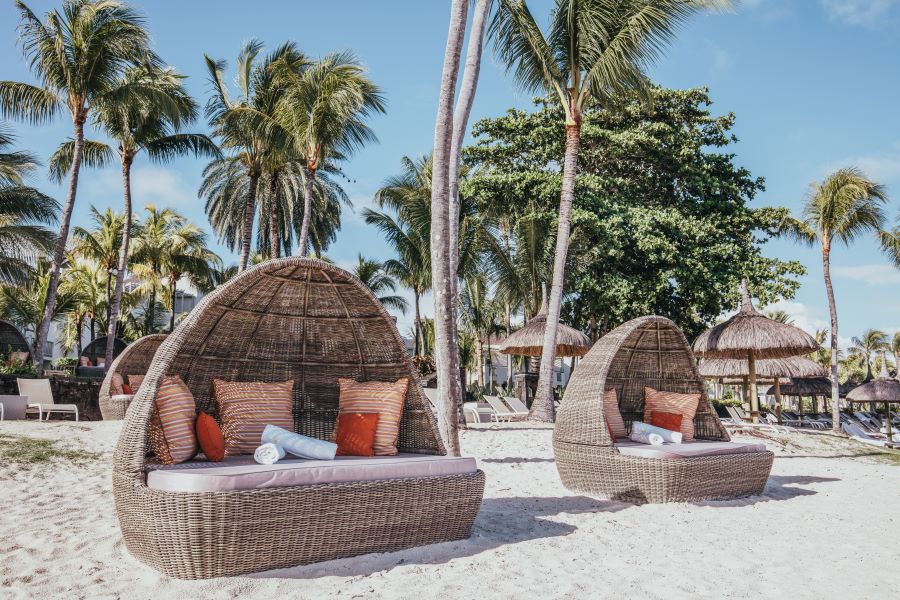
(868, 13)
(804, 316)
(874, 274)
(882, 167)
(722, 62)
(150, 184)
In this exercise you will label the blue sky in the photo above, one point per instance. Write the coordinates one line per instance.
(814, 85)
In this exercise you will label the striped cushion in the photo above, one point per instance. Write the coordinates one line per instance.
(172, 422)
(673, 402)
(116, 384)
(382, 397)
(612, 415)
(246, 407)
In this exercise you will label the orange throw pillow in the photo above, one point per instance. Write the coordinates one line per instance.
(666, 420)
(382, 397)
(172, 433)
(246, 407)
(612, 415)
(126, 389)
(355, 434)
(673, 402)
(210, 437)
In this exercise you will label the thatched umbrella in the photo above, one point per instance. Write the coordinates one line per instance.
(750, 335)
(772, 369)
(529, 339)
(883, 389)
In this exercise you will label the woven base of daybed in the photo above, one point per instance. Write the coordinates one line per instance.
(113, 409)
(602, 472)
(198, 536)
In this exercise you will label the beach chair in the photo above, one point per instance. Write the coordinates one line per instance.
(515, 404)
(861, 436)
(502, 412)
(40, 399)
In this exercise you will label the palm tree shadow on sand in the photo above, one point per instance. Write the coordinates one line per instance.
(500, 522)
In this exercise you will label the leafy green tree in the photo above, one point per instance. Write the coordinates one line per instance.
(661, 222)
(383, 285)
(843, 207)
(78, 55)
(24, 214)
(326, 106)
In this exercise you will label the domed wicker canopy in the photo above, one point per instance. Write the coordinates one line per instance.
(134, 360)
(644, 352)
(529, 339)
(97, 349)
(11, 339)
(310, 322)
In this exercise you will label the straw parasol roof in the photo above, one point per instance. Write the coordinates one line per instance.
(810, 386)
(529, 340)
(769, 368)
(750, 330)
(882, 389)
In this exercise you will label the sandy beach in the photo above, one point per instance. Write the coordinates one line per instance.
(823, 528)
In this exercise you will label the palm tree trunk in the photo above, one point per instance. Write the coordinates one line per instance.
(307, 211)
(113, 320)
(249, 212)
(832, 310)
(446, 347)
(93, 327)
(151, 310)
(543, 409)
(59, 250)
(108, 294)
(417, 325)
(174, 285)
(274, 229)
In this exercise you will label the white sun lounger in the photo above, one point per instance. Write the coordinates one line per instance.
(503, 412)
(40, 399)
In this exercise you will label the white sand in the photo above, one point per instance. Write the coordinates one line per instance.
(827, 527)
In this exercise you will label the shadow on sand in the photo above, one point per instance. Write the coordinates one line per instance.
(501, 521)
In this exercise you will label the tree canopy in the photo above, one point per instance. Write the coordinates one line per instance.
(661, 220)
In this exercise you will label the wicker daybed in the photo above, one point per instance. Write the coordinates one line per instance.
(12, 340)
(312, 322)
(652, 352)
(97, 350)
(134, 360)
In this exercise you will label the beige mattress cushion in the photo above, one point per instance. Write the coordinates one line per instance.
(687, 450)
(242, 473)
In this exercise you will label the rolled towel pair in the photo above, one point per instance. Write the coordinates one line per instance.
(268, 454)
(673, 437)
(298, 445)
(654, 439)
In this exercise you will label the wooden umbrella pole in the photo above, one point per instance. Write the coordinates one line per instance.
(887, 425)
(754, 398)
(745, 395)
(778, 399)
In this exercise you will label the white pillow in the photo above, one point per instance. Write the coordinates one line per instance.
(673, 437)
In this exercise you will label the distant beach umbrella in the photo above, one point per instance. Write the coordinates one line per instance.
(749, 335)
(529, 340)
(884, 389)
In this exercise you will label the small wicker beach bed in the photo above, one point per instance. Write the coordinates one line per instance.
(652, 352)
(134, 360)
(311, 322)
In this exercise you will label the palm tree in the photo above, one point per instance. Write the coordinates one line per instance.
(823, 354)
(78, 55)
(24, 212)
(167, 247)
(478, 313)
(249, 124)
(895, 350)
(781, 316)
(326, 106)
(868, 345)
(595, 51)
(151, 126)
(383, 285)
(102, 245)
(844, 206)
(85, 281)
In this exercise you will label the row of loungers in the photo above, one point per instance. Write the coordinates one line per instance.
(311, 322)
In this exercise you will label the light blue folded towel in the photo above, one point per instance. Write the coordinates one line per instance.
(298, 445)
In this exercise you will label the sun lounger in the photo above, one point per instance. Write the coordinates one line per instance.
(40, 399)
(858, 434)
(503, 412)
(515, 404)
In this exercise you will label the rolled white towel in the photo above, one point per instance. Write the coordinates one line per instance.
(654, 439)
(673, 437)
(268, 454)
(299, 445)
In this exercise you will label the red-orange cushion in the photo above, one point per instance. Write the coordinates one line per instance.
(355, 434)
(666, 420)
(210, 437)
(126, 389)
